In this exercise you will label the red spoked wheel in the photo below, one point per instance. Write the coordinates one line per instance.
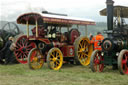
(23, 46)
(96, 62)
(123, 62)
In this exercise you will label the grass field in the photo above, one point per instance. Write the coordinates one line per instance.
(20, 74)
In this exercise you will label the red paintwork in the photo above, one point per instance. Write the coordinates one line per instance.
(73, 35)
(68, 51)
(21, 45)
(46, 41)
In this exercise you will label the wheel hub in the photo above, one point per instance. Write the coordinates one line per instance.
(54, 59)
(82, 50)
(35, 59)
(24, 49)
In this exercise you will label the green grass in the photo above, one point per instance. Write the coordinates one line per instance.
(68, 75)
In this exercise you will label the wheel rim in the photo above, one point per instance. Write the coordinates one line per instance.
(98, 62)
(22, 49)
(84, 51)
(125, 63)
(55, 59)
(36, 59)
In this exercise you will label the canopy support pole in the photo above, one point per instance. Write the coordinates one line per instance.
(68, 28)
(77, 26)
(86, 31)
(60, 29)
(36, 28)
(27, 29)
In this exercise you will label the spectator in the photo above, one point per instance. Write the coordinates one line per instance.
(90, 36)
(8, 53)
(97, 40)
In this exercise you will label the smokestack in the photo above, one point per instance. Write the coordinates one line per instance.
(110, 14)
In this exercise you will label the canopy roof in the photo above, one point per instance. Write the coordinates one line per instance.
(123, 11)
(52, 19)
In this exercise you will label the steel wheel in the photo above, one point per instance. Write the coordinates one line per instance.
(23, 46)
(35, 59)
(123, 62)
(11, 28)
(83, 50)
(55, 59)
(96, 62)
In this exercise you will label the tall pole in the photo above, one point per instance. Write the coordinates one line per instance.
(109, 11)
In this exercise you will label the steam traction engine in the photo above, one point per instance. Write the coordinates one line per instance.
(114, 48)
(48, 43)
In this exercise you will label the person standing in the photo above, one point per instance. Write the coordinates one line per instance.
(7, 52)
(90, 37)
(97, 40)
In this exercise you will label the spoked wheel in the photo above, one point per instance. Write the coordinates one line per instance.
(55, 59)
(83, 50)
(96, 62)
(23, 46)
(123, 62)
(35, 59)
(11, 28)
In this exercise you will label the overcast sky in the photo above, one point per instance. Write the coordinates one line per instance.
(11, 9)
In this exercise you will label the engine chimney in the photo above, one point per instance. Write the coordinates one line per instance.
(110, 14)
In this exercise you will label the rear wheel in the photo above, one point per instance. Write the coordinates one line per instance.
(35, 59)
(23, 46)
(123, 62)
(55, 59)
(83, 50)
(96, 62)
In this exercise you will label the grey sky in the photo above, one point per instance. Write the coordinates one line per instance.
(11, 9)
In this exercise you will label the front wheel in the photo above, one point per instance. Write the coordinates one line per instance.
(35, 59)
(55, 59)
(123, 62)
(96, 62)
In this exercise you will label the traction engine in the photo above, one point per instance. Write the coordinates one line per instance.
(49, 44)
(115, 47)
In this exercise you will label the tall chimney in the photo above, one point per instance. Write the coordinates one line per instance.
(110, 14)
